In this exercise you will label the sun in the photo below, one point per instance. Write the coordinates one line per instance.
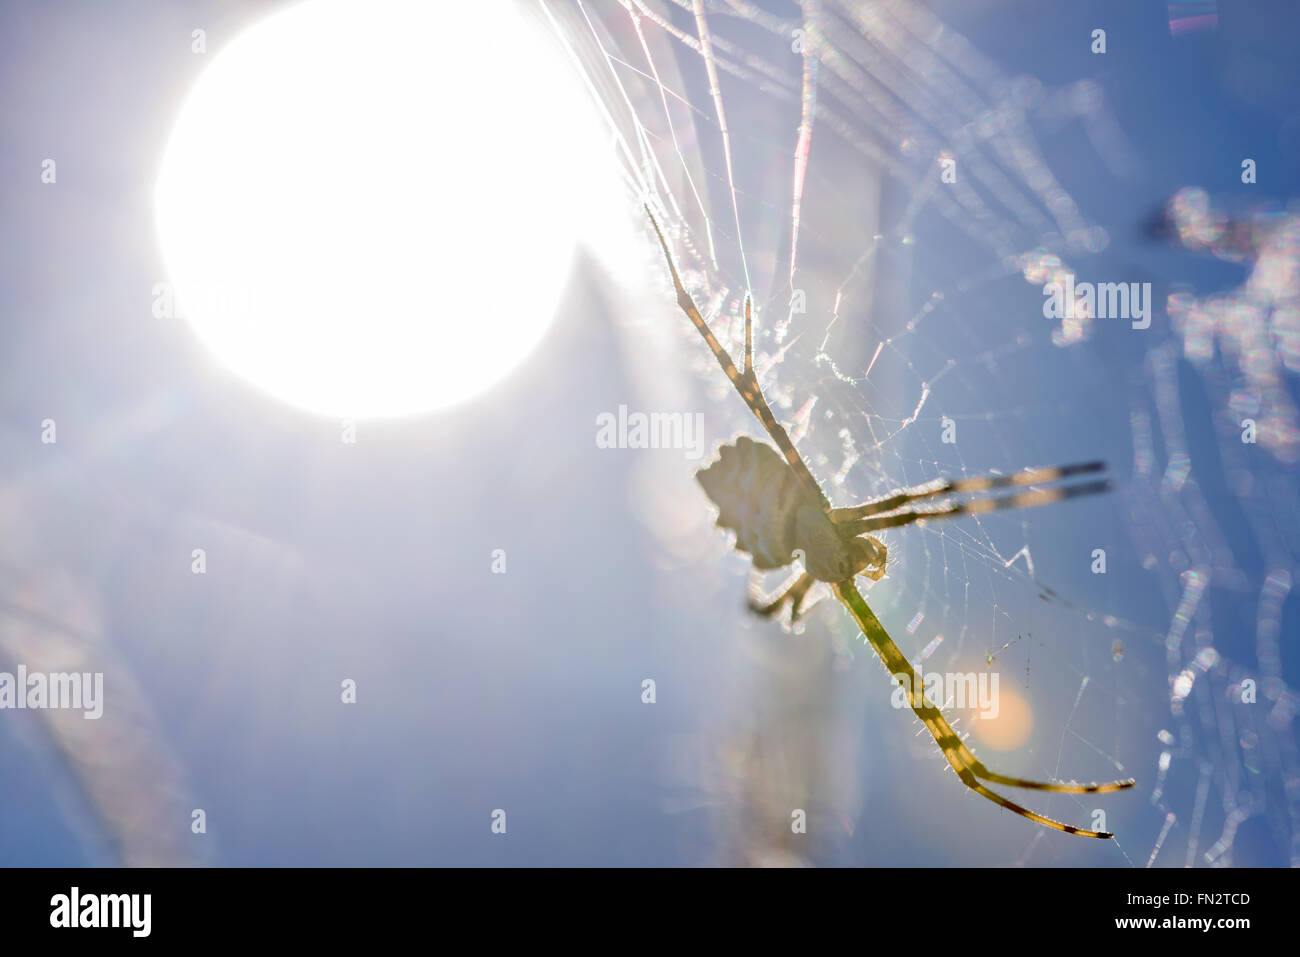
(372, 209)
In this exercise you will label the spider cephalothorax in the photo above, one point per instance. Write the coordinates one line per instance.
(779, 513)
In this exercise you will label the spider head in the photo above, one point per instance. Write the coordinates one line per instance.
(869, 554)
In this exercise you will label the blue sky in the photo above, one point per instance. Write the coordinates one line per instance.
(522, 691)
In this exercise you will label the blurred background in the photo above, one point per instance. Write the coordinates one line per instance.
(499, 587)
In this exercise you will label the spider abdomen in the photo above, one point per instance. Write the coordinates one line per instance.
(758, 496)
(774, 515)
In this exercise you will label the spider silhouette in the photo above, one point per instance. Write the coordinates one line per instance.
(779, 513)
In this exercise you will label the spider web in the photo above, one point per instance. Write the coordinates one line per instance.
(796, 152)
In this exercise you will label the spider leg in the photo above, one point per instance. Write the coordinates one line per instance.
(749, 340)
(856, 526)
(1110, 786)
(793, 591)
(746, 382)
(800, 593)
(941, 487)
(969, 769)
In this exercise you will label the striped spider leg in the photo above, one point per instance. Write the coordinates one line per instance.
(780, 514)
(892, 511)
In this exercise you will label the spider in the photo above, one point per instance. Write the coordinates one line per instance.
(779, 514)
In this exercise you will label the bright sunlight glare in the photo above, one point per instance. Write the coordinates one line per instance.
(372, 209)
